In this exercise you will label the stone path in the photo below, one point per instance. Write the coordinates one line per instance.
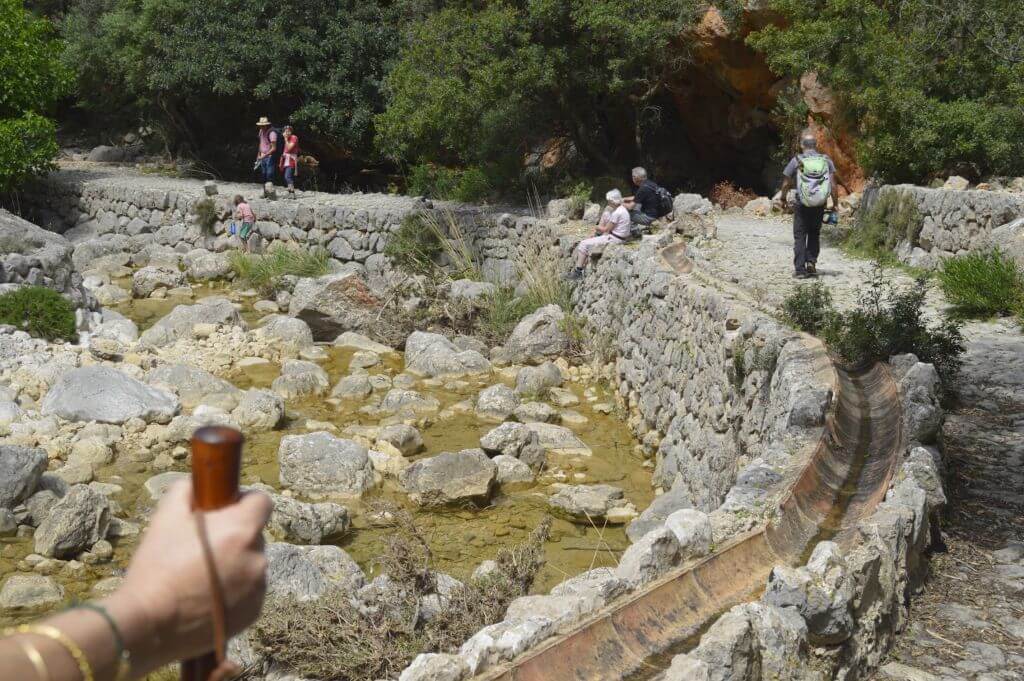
(968, 623)
(757, 254)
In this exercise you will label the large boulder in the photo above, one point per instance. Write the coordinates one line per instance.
(258, 411)
(288, 330)
(653, 555)
(100, 393)
(332, 304)
(450, 477)
(658, 511)
(320, 463)
(431, 354)
(473, 293)
(152, 277)
(193, 386)
(306, 572)
(1010, 239)
(516, 440)
(300, 522)
(592, 503)
(201, 264)
(559, 439)
(29, 592)
(537, 380)
(496, 403)
(20, 471)
(105, 153)
(179, 323)
(357, 341)
(74, 524)
(31, 255)
(116, 326)
(300, 378)
(538, 336)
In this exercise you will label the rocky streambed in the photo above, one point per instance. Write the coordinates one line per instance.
(479, 452)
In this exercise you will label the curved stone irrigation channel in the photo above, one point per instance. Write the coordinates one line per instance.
(847, 476)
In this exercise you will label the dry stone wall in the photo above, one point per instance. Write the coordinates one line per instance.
(957, 221)
(695, 368)
(112, 210)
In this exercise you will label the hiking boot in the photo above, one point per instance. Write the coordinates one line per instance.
(575, 275)
(811, 269)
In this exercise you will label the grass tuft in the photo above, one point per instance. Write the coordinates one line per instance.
(893, 218)
(264, 272)
(982, 284)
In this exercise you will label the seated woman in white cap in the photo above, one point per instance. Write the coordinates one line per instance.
(613, 228)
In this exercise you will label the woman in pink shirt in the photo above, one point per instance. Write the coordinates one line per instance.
(243, 213)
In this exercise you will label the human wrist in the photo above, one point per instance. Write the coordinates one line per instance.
(141, 626)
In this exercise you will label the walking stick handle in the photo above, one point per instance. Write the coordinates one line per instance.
(216, 466)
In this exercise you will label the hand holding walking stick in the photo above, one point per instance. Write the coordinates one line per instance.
(216, 466)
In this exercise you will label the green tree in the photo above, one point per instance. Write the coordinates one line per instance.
(931, 88)
(478, 83)
(204, 71)
(31, 80)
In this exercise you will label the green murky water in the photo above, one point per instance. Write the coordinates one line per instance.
(459, 538)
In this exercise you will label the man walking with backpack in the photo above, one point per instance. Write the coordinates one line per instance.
(650, 201)
(815, 178)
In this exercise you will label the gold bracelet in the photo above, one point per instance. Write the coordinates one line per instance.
(55, 634)
(42, 673)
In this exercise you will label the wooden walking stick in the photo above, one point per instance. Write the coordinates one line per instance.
(216, 465)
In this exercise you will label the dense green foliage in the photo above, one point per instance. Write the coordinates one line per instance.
(886, 321)
(982, 284)
(806, 308)
(265, 272)
(478, 84)
(469, 184)
(198, 69)
(31, 81)
(40, 312)
(930, 87)
(893, 218)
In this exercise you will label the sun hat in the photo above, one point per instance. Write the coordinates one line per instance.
(262, 122)
(614, 196)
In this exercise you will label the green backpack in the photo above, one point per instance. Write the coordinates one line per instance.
(813, 180)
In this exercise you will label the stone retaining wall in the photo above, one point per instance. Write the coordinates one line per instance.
(955, 221)
(90, 204)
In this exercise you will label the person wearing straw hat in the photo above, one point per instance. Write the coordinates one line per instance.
(268, 145)
(613, 228)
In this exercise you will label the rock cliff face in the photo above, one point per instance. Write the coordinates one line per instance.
(725, 100)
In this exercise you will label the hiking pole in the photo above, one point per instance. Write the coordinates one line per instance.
(216, 465)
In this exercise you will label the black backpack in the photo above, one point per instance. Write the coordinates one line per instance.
(665, 201)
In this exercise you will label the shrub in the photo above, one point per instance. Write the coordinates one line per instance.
(264, 272)
(421, 239)
(886, 321)
(333, 638)
(728, 195)
(893, 218)
(467, 184)
(39, 311)
(982, 284)
(32, 80)
(501, 312)
(808, 307)
(578, 195)
(206, 215)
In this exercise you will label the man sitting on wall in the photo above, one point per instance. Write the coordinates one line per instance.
(650, 201)
(613, 228)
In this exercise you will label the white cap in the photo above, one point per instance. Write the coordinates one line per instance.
(614, 196)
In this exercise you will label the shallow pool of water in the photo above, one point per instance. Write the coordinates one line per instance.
(459, 538)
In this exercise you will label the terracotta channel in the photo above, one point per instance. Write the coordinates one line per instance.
(846, 477)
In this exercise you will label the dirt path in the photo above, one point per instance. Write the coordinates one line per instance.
(968, 624)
